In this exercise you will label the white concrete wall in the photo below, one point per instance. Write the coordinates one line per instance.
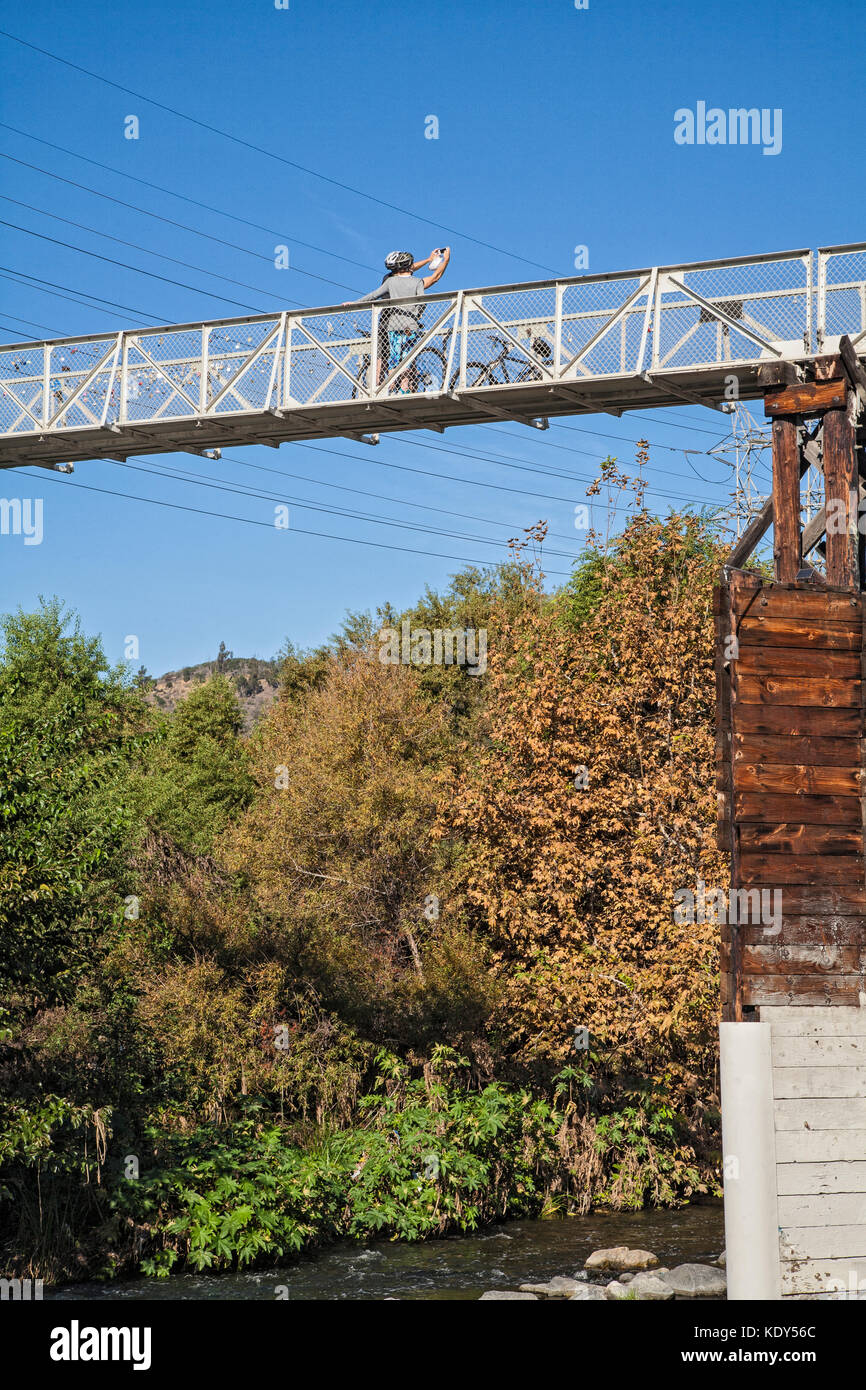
(819, 1107)
(748, 1143)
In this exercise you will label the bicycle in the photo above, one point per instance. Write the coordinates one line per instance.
(426, 372)
(496, 372)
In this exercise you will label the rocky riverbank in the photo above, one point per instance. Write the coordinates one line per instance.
(621, 1273)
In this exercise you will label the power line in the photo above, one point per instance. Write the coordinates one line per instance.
(13, 332)
(269, 154)
(305, 504)
(526, 466)
(249, 521)
(172, 193)
(380, 497)
(95, 231)
(469, 482)
(159, 322)
(124, 265)
(169, 221)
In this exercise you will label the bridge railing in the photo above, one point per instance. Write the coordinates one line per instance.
(842, 293)
(566, 332)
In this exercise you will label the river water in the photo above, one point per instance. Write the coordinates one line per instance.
(501, 1257)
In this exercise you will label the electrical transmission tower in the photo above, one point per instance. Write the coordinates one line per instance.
(745, 451)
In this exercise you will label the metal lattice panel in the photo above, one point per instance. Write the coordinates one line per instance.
(616, 341)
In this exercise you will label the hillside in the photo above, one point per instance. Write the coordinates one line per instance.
(255, 680)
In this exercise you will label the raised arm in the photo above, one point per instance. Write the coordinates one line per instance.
(378, 293)
(440, 269)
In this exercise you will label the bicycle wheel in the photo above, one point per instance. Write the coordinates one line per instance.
(429, 369)
(362, 381)
(515, 370)
(477, 374)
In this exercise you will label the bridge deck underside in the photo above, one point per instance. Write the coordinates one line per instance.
(437, 411)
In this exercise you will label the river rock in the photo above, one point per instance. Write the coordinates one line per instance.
(721, 1260)
(586, 1293)
(624, 1277)
(620, 1257)
(618, 1291)
(696, 1281)
(649, 1288)
(500, 1295)
(560, 1286)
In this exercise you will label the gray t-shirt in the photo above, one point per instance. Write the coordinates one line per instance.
(404, 320)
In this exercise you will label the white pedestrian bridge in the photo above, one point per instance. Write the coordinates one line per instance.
(526, 352)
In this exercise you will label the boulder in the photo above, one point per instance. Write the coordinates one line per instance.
(696, 1281)
(560, 1286)
(501, 1294)
(721, 1260)
(586, 1293)
(649, 1288)
(618, 1291)
(620, 1257)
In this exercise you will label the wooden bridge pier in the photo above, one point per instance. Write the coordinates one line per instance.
(791, 784)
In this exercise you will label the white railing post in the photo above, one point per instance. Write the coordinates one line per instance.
(455, 335)
(821, 327)
(468, 303)
(657, 318)
(203, 369)
(122, 405)
(275, 369)
(285, 394)
(557, 330)
(112, 378)
(647, 319)
(373, 385)
(46, 384)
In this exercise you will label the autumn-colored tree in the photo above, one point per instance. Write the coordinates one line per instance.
(590, 803)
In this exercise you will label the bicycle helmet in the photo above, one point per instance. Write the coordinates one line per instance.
(399, 260)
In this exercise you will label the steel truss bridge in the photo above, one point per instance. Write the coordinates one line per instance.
(623, 341)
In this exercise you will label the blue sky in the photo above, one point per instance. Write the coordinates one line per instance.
(555, 129)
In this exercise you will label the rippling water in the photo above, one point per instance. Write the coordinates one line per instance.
(501, 1257)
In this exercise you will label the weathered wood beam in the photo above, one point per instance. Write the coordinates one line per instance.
(760, 524)
(780, 374)
(841, 493)
(828, 368)
(813, 531)
(808, 398)
(787, 557)
(753, 533)
(853, 367)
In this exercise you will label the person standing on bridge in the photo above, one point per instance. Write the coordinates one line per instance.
(403, 326)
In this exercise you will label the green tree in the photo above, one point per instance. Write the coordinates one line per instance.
(68, 726)
(193, 778)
